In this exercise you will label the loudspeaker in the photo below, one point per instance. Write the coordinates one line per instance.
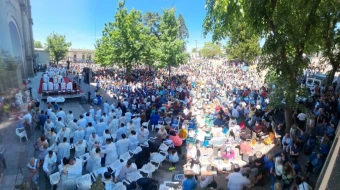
(87, 75)
(68, 65)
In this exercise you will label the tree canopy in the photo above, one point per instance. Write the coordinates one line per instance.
(170, 51)
(133, 38)
(57, 46)
(242, 45)
(210, 50)
(122, 42)
(37, 44)
(286, 27)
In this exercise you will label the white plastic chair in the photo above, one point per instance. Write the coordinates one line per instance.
(115, 165)
(146, 124)
(126, 156)
(163, 147)
(158, 157)
(85, 157)
(84, 182)
(119, 186)
(133, 176)
(148, 169)
(137, 150)
(21, 134)
(63, 86)
(54, 179)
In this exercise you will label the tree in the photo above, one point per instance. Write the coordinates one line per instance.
(57, 46)
(151, 20)
(122, 40)
(194, 50)
(183, 32)
(242, 45)
(210, 50)
(170, 51)
(37, 44)
(329, 35)
(286, 27)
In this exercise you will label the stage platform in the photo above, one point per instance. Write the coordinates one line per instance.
(75, 93)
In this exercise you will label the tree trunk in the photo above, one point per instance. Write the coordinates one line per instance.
(288, 118)
(331, 76)
(169, 72)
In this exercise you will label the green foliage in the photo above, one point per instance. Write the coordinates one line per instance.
(183, 32)
(194, 50)
(57, 46)
(122, 42)
(242, 45)
(210, 50)
(286, 27)
(98, 184)
(170, 51)
(151, 20)
(327, 36)
(37, 44)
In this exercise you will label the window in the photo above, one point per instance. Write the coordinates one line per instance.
(75, 56)
(89, 56)
(83, 57)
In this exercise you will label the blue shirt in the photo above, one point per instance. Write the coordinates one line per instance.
(189, 184)
(42, 119)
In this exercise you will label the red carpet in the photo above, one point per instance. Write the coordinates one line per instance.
(66, 79)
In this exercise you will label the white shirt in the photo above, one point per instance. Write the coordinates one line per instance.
(49, 161)
(206, 181)
(236, 181)
(302, 116)
(303, 186)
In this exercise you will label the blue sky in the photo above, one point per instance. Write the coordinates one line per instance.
(83, 20)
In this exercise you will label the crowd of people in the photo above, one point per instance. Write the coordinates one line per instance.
(212, 116)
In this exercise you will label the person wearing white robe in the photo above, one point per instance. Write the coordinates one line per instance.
(53, 118)
(122, 130)
(75, 169)
(128, 116)
(100, 127)
(119, 112)
(73, 127)
(93, 139)
(79, 134)
(105, 118)
(89, 130)
(106, 107)
(112, 107)
(105, 136)
(98, 114)
(56, 86)
(122, 145)
(63, 150)
(94, 162)
(124, 169)
(69, 117)
(110, 115)
(50, 86)
(64, 133)
(61, 114)
(82, 122)
(50, 162)
(130, 126)
(136, 121)
(45, 78)
(89, 119)
(133, 140)
(91, 112)
(143, 135)
(111, 152)
(59, 124)
(113, 126)
(80, 148)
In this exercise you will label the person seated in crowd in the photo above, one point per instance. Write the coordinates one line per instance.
(228, 153)
(237, 181)
(176, 141)
(173, 158)
(286, 142)
(33, 167)
(189, 183)
(124, 170)
(191, 152)
(162, 133)
(40, 142)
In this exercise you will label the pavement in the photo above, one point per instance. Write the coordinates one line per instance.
(17, 154)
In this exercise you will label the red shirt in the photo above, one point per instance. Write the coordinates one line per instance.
(176, 140)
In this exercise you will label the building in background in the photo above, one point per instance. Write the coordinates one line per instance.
(42, 56)
(80, 56)
(16, 36)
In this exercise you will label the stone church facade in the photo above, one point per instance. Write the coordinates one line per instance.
(16, 35)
